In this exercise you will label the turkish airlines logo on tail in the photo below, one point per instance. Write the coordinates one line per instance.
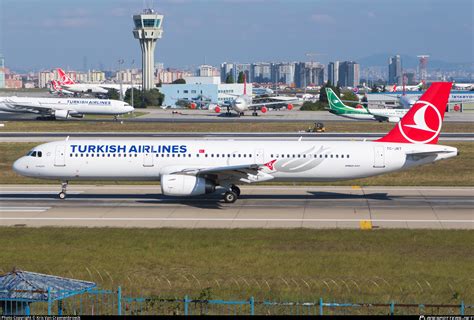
(63, 78)
(425, 124)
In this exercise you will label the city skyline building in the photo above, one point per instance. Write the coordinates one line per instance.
(148, 29)
(309, 74)
(333, 73)
(395, 70)
(349, 74)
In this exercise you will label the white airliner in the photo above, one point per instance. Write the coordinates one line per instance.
(396, 88)
(242, 103)
(199, 167)
(63, 108)
(95, 88)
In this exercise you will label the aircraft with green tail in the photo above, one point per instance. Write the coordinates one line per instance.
(337, 107)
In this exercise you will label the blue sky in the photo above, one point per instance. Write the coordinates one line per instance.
(36, 34)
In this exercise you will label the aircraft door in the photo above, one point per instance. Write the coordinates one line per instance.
(259, 156)
(379, 157)
(60, 156)
(148, 160)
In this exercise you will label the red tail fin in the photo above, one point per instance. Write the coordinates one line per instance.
(63, 77)
(422, 123)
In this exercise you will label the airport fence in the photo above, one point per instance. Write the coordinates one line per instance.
(113, 302)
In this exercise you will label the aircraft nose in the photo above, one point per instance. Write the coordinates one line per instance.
(20, 166)
(130, 108)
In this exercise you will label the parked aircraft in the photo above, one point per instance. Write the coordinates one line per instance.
(63, 108)
(396, 88)
(337, 107)
(92, 88)
(199, 167)
(244, 102)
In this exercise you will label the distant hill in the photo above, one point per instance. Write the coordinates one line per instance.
(411, 62)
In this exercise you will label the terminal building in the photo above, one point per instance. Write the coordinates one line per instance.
(205, 88)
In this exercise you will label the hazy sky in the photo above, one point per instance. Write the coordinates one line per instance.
(37, 34)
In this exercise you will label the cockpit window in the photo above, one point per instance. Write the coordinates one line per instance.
(40, 154)
(33, 154)
(29, 153)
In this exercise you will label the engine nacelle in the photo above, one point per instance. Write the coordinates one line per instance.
(183, 185)
(217, 109)
(264, 109)
(61, 114)
(289, 106)
(393, 119)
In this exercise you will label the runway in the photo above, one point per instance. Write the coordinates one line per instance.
(258, 207)
(204, 116)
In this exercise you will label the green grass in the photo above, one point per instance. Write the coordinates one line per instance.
(458, 171)
(124, 116)
(429, 266)
(84, 126)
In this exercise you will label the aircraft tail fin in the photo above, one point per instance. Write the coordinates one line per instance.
(335, 104)
(64, 78)
(422, 123)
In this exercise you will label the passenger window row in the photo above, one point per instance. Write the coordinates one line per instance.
(189, 155)
(310, 156)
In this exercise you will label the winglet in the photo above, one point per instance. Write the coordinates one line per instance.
(422, 123)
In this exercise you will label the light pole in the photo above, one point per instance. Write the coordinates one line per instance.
(133, 61)
(120, 62)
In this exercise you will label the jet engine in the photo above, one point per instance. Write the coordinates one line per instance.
(264, 109)
(61, 114)
(393, 119)
(289, 106)
(183, 185)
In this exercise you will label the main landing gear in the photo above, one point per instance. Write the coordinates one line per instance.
(62, 194)
(232, 195)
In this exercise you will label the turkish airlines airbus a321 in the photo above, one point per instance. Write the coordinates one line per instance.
(198, 167)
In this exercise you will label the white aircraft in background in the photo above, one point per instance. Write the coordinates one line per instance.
(199, 167)
(57, 89)
(244, 102)
(63, 108)
(396, 88)
(463, 86)
(93, 88)
(260, 91)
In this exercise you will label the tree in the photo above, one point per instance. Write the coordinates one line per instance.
(179, 81)
(113, 94)
(241, 77)
(143, 99)
(322, 92)
(229, 79)
(348, 95)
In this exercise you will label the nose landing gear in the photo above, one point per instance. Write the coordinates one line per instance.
(62, 194)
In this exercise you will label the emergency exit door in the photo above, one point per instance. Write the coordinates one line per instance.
(379, 157)
(60, 156)
(148, 160)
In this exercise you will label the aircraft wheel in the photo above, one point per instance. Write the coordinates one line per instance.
(255, 114)
(236, 190)
(62, 195)
(230, 197)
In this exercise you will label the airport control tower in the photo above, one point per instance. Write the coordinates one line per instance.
(147, 30)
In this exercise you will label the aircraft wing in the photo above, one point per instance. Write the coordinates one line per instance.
(246, 173)
(27, 106)
(266, 104)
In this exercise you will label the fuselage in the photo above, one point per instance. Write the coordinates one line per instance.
(72, 105)
(278, 160)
